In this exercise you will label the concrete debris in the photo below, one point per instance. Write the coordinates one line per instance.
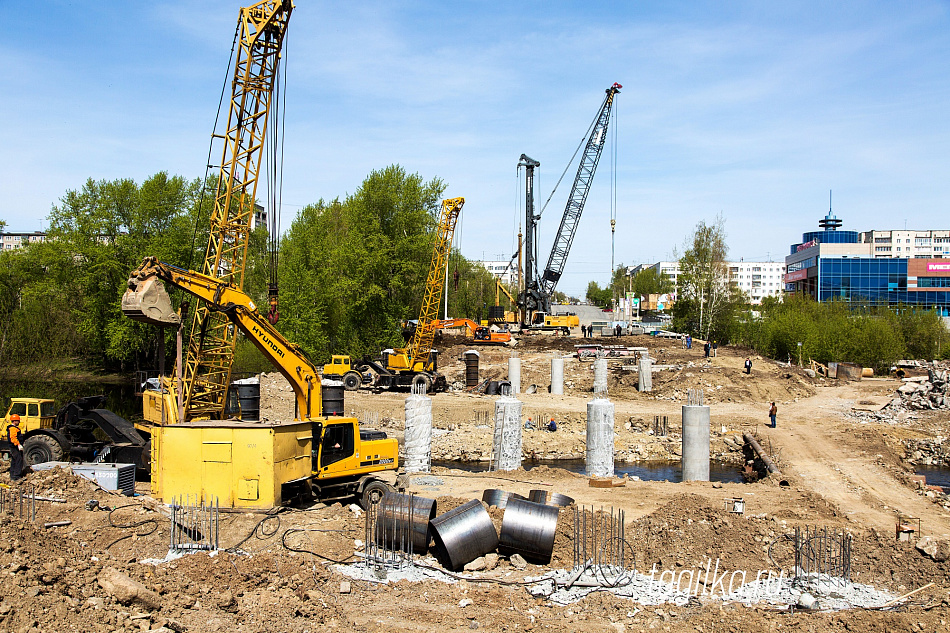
(479, 564)
(564, 587)
(938, 550)
(518, 562)
(126, 590)
(927, 392)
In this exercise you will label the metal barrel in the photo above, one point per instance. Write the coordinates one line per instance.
(249, 396)
(528, 529)
(499, 498)
(403, 520)
(332, 397)
(550, 498)
(463, 534)
(471, 368)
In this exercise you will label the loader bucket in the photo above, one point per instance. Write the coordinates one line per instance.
(146, 300)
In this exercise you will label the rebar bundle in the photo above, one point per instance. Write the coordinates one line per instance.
(599, 539)
(391, 528)
(694, 397)
(20, 501)
(661, 425)
(195, 524)
(820, 552)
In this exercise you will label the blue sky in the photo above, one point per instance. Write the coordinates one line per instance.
(753, 110)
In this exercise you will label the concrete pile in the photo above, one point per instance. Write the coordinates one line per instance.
(927, 392)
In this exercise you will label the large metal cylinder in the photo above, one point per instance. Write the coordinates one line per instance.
(600, 438)
(506, 442)
(402, 521)
(463, 534)
(471, 368)
(514, 374)
(695, 443)
(499, 498)
(417, 444)
(645, 367)
(600, 376)
(549, 498)
(557, 376)
(528, 529)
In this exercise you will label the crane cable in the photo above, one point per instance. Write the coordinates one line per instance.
(275, 180)
(613, 193)
(217, 116)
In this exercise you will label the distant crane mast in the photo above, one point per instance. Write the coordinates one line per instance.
(537, 293)
(207, 368)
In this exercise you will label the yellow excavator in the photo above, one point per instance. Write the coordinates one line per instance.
(481, 334)
(344, 455)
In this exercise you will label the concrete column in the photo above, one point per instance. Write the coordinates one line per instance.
(514, 374)
(695, 443)
(600, 376)
(600, 438)
(645, 370)
(557, 376)
(506, 442)
(418, 440)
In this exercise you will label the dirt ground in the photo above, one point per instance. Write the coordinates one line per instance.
(275, 571)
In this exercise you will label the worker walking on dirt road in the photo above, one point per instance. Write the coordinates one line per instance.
(773, 411)
(16, 448)
(748, 365)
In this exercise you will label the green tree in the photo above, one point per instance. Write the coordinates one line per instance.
(598, 296)
(649, 281)
(351, 271)
(707, 303)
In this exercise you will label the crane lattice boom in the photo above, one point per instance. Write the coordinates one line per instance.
(261, 31)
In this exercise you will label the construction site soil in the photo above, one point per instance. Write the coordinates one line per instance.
(108, 569)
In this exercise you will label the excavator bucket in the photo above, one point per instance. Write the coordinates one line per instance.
(147, 300)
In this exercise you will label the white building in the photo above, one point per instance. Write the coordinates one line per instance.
(10, 241)
(756, 279)
(909, 244)
(501, 271)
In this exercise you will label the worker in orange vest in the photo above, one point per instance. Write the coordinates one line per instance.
(16, 448)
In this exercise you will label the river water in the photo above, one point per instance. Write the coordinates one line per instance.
(647, 470)
(936, 476)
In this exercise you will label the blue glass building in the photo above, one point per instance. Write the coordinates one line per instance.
(847, 265)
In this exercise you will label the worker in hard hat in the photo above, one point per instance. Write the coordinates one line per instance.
(16, 448)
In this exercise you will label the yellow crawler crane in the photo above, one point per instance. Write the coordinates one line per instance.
(331, 455)
(416, 364)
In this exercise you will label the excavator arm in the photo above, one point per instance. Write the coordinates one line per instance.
(146, 300)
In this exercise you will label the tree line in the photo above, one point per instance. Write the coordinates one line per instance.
(711, 307)
(351, 270)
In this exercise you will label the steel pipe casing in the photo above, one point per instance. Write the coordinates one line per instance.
(463, 534)
(695, 443)
(396, 516)
(549, 498)
(529, 529)
(499, 498)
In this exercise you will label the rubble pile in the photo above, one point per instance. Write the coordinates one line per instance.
(931, 391)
